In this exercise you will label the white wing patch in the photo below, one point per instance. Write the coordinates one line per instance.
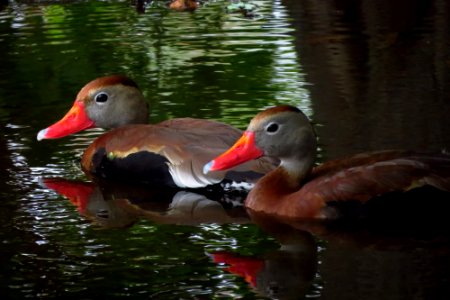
(187, 170)
(186, 175)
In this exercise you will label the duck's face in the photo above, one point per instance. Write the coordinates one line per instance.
(114, 105)
(282, 132)
(106, 102)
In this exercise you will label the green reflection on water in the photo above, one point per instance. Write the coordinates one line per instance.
(206, 64)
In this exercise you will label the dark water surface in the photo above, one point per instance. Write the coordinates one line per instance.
(370, 74)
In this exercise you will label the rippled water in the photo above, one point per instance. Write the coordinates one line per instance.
(368, 80)
(53, 247)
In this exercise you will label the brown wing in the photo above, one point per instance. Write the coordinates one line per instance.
(201, 125)
(175, 150)
(333, 166)
(218, 134)
(364, 176)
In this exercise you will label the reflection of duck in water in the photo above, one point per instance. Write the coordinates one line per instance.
(171, 153)
(297, 190)
(284, 273)
(114, 205)
(341, 263)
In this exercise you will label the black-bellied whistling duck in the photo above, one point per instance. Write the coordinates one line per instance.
(296, 189)
(183, 5)
(171, 153)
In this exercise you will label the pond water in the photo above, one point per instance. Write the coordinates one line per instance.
(371, 75)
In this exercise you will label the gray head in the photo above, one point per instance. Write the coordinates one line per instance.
(282, 132)
(105, 102)
(114, 101)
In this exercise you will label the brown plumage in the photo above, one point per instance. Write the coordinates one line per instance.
(296, 189)
(183, 5)
(170, 153)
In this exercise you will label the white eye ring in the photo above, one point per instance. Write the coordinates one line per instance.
(272, 128)
(101, 98)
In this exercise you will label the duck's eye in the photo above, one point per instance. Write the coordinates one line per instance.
(272, 128)
(101, 97)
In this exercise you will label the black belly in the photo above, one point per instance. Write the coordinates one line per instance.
(142, 167)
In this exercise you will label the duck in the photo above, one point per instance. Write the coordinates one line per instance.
(183, 5)
(171, 153)
(297, 189)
